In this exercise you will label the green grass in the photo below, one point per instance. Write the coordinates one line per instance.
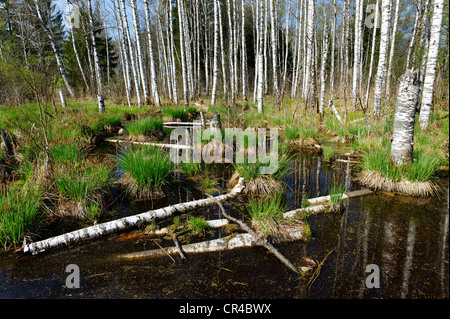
(81, 182)
(423, 167)
(336, 192)
(191, 169)
(291, 133)
(197, 225)
(67, 152)
(265, 212)
(144, 126)
(327, 152)
(149, 168)
(19, 211)
(178, 112)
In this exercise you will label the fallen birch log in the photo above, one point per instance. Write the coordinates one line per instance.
(128, 222)
(259, 239)
(214, 223)
(319, 204)
(177, 146)
(220, 244)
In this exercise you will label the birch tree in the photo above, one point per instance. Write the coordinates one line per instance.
(430, 74)
(357, 54)
(391, 52)
(274, 52)
(322, 70)
(58, 57)
(151, 58)
(182, 51)
(140, 57)
(244, 53)
(404, 118)
(381, 69)
(215, 53)
(127, 36)
(372, 54)
(100, 98)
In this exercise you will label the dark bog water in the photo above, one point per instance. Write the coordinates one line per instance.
(406, 238)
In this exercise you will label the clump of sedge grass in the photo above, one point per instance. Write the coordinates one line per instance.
(147, 169)
(20, 210)
(257, 183)
(336, 192)
(197, 225)
(327, 152)
(144, 126)
(266, 213)
(291, 133)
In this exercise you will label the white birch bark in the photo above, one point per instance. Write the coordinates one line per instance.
(310, 49)
(134, 70)
(372, 54)
(413, 35)
(140, 57)
(243, 54)
(322, 70)
(381, 69)
(391, 53)
(430, 74)
(357, 52)
(222, 52)
(215, 53)
(151, 58)
(172, 53)
(100, 98)
(333, 44)
(124, 52)
(231, 54)
(404, 118)
(274, 52)
(58, 58)
(182, 51)
(77, 56)
(124, 223)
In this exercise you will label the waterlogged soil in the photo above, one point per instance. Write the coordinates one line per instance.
(406, 238)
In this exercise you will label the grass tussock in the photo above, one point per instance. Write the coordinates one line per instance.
(147, 170)
(266, 213)
(20, 211)
(149, 126)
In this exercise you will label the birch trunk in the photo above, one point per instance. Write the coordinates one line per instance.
(183, 53)
(310, 49)
(100, 98)
(58, 58)
(404, 118)
(172, 53)
(231, 54)
(430, 74)
(77, 56)
(391, 53)
(127, 36)
(124, 223)
(222, 52)
(413, 35)
(333, 44)
(322, 71)
(357, 52)
(274, 52)
(260, 63)
(151, 58)
(140, 57)
(215, 53)
(381, 69)
(374, 38)
(124, 51)
(244, 54)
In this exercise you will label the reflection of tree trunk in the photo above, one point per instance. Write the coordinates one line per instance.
(365, 245)
(387, 253)
(444, 249)
(409, 257)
